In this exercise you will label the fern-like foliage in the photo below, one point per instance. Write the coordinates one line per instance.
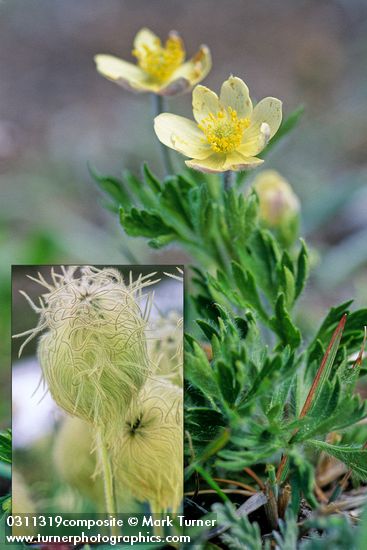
(258, 394)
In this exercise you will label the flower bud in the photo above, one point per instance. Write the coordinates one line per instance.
(279, 205)
(148, 456)
(93, 355)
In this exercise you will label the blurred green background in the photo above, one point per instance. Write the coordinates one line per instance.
(57, 114)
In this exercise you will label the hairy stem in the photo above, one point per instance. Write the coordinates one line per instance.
(109, 491)
(159, 106)
(228, 179)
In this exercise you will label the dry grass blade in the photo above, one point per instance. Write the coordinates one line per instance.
(256, 478)
(251, 504)
(237, 483)
(321, 375)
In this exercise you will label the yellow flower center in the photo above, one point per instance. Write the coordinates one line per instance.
(224, 130)
(159, 61)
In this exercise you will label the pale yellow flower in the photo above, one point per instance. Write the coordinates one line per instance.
(228, 132)
(160, 69)
(278, 202)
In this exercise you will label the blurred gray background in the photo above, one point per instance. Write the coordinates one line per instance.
(57, 114)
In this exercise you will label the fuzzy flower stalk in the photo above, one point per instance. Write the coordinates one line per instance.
(148, 453)
(93, 351)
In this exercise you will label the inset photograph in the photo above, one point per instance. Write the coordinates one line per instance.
(97, 389)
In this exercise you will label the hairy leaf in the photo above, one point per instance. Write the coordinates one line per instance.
(354, 458)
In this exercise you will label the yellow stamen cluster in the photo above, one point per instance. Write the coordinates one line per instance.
(159, 61)
(224, 130)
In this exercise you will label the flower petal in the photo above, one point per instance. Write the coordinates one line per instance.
(146, 37)
(181, 134)
(234, 93)
(175, 87)
(204, 102)
(268, 110)
(196, 68)
(126, 74)
(212, 164)
(236, 161)
(254, 140)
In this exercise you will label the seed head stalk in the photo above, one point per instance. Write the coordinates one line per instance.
(158, 107)
(109, 489)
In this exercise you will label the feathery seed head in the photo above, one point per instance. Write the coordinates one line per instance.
(166, 349)
(93, 354)
(148, 455)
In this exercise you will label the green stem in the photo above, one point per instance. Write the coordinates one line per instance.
(109, 492)
(228, 179)
(159, 106)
